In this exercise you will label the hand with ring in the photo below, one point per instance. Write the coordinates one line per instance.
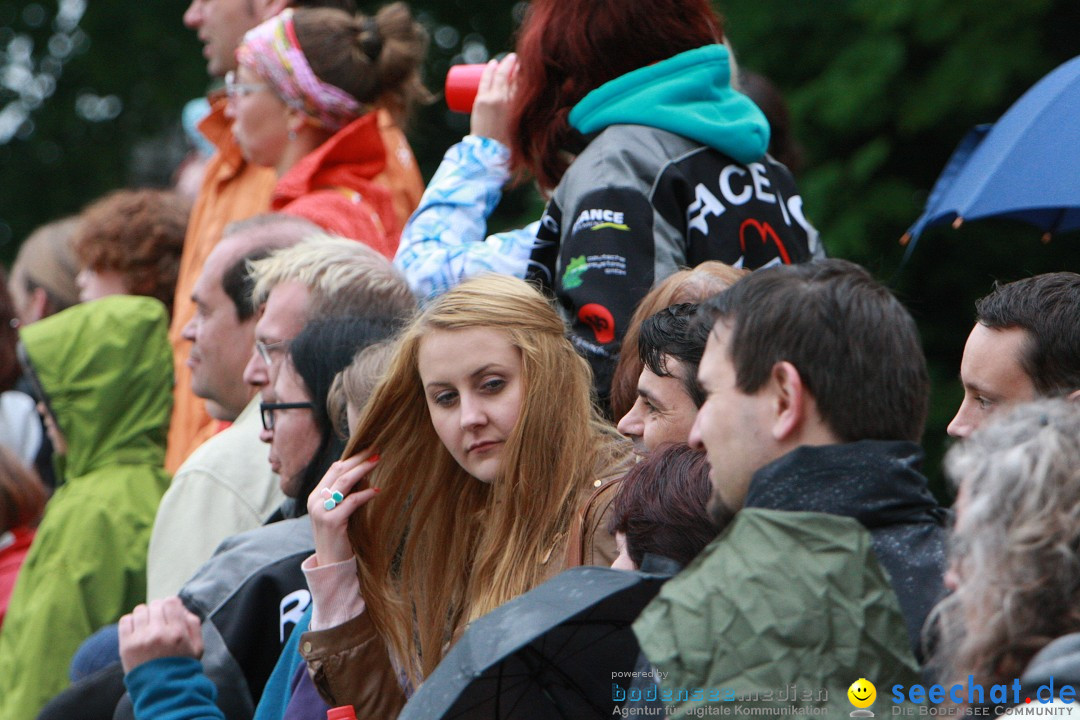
(332, 503)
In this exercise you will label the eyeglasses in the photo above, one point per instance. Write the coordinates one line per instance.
(266, 350)
(267, 410)
(236, 89)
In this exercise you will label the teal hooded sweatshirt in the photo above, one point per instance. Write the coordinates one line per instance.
(106, 367)
(689, 94)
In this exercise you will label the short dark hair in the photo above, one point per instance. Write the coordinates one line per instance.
(1048, 307)
(661, 505)
(673, 332)
(238, 283)
(855, 346)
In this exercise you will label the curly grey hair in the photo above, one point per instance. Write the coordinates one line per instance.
(1015, 550)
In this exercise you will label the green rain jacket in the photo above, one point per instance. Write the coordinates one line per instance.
(782, 610)
(106, 367)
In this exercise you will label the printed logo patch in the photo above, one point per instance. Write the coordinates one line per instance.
(599, 218)
(572, 277)
(599, 318)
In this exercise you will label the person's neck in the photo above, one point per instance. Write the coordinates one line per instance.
(305, 142)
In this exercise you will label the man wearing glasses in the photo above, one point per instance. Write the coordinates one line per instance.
(225, 486)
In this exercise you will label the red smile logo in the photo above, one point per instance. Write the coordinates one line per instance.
(765, 233)
(599, 318)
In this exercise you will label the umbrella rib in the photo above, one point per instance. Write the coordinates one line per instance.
(498, 690)
(556, 670)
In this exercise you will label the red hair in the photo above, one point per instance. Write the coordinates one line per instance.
(662, 505)
(567, 48)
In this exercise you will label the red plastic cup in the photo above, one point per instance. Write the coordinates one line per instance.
(462, 84)
(345, 712)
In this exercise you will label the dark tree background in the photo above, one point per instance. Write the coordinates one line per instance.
(880, 93)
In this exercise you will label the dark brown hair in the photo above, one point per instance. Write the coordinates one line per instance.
(855, 346)
(139, 234)
(1048, 307)
(22, 494)
(661, 505)
(376, 60)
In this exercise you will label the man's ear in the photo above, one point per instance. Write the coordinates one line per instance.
(789, 401)
(266, 9)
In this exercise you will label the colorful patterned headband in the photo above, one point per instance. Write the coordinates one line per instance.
(272, 51)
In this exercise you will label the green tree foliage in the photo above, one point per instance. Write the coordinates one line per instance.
(880, 94)
(130, 70)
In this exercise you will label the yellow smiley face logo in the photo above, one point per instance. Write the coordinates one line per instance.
(862, 693)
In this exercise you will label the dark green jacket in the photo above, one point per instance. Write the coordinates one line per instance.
(106, 367)
(779, 599)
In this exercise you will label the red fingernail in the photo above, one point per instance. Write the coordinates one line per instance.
(374, 458)
(376, 490)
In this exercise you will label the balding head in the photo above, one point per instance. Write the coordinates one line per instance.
(222, 329)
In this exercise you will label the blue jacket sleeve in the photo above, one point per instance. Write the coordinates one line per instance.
(172, 688)
(444, 241)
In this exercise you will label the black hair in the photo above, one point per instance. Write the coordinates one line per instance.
(238, 283)
(324, 348)
(673, 333)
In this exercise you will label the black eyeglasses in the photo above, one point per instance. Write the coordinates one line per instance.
(267, 411)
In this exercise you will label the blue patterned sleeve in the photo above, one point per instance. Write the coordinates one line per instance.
(444, 241)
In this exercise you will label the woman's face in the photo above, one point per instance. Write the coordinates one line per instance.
(260, 119)
(473, 386)
(295, 436)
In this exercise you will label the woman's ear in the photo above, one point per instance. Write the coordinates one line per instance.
(266, 9)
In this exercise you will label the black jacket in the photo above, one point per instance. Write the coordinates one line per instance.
(879, 484)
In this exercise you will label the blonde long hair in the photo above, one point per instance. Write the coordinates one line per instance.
(439, 548)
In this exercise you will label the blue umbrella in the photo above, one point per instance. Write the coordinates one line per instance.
(1025, 167)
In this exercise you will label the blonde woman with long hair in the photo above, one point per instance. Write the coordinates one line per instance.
(483, 448)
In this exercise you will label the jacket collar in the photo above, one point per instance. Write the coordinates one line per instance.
(875, 482)
(354, 152)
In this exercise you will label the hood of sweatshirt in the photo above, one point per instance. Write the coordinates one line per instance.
(688, 94)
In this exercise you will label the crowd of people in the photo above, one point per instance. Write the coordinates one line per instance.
(273, 449)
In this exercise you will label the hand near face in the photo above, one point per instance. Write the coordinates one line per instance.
(164, 628)
(330, 517)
